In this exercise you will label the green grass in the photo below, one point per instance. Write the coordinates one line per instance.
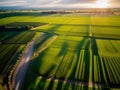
(109, 47)
(5, 36)
(8, 56)
(7, 51)
(70, 57)
(23, 37)
(107, 20)
(76, 58)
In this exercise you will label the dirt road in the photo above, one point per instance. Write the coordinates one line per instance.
(20, 71)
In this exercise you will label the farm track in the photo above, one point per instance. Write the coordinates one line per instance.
(40, 26)
(101, 36)
(96, 37)
(88, 25)
(89, 84)
(20, 71)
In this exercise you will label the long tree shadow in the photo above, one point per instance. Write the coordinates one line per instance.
(38, 62)
(99, 67)
(34, 74)
(54, 28)
(83, 45)
(94, 53)
(50, 33)
(35, 64)
(42, 40)
(94, 47)
(61, 53)
(86, 47)
(63, 49)
(77, 51)
(102, 73)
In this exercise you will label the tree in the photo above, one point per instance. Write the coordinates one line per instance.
(3, 27)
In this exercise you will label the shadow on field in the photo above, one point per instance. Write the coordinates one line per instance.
(42, 40)
(62, 54)
(63, 49)
(100, 67)
(37, 63)
(101, 77)
(88, 67)
(47, 35)
(54, 28)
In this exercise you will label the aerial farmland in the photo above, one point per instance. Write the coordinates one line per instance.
(59, 50)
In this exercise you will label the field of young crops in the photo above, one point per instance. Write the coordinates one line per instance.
(75, 51)
(9, 54)
(12, 45)
(76, 58)
(16, 37)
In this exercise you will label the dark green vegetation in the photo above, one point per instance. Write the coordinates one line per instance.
(9, 53)
(76, 52)
(85, 52)
(12, 44)
(13, 39)
(16, 37)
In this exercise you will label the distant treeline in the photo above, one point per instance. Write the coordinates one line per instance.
(18, 28)
(55, 12)
(11, 14)
(7, 13)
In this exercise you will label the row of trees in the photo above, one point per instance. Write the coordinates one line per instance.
(16, 28)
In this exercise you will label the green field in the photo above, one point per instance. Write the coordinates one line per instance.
(9, 54)
(76, 52)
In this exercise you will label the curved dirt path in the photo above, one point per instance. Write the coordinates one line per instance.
(22, 67)
(20, 71)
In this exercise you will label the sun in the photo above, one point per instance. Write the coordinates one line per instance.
(102, 4)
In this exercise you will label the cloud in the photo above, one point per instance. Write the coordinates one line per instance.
(75, 1)
(40, 2)
(59, 3)
(12, 2)
(55, 3)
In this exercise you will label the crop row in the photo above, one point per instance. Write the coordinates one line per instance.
(74, 68)
(7, 35)
(109, 47)
(8, 56)
(74, 59)
(22, 37)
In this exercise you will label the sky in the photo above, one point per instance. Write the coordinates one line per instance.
(63, 3)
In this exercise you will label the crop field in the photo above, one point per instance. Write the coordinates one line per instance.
(16, 37)
(9, 53)
(74, 52)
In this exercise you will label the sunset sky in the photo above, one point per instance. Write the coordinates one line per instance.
(63, 3)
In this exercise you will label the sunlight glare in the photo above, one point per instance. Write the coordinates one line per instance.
(102, 4)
